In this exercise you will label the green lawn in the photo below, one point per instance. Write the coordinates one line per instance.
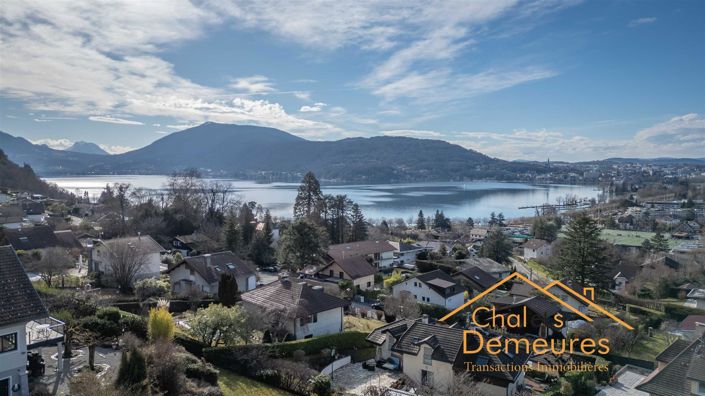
(236, 385)
(648, 347)
(353, 323)
(538, 268)
(632, 238)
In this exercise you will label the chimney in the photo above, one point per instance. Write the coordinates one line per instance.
(208, 259)
(424, 319)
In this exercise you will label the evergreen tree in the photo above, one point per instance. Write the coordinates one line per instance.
(309, 200)
(500, 219)
(261, 251)
(384, 227)
(358, 229)
(493, 219)
(227, 290)
(659, 242)
(443, 250)
(496, 246)
(133, 370)
(470, 222)
(268, 231)
(232, 236)
(336, 216)
(582, 255)
(646, 245)
(303, 243)
(421, 221)
(247, 224)
(544, 229)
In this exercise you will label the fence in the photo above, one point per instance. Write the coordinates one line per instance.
(651, 304)
(329, 369)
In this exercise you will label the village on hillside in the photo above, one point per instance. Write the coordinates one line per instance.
(190, 291)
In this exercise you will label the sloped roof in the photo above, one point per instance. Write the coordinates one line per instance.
(396, 329)
(486, 264)
(143, 242)
(211, 266)
(672, 380)
(439, 281)
(478, 276)
(535, 243)
(67, 239)
(28, 238)
(355, 266)
(296, 297)
(688, 324)
(20, 302)
(361, 248)
(672, 351)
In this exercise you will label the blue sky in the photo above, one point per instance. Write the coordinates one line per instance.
(568, 80)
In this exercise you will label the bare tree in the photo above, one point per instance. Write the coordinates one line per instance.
(126, 261)
(402, 306)
(276, 321)
(216, 199)
(54, 261)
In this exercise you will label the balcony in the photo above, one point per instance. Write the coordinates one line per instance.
(44, 332)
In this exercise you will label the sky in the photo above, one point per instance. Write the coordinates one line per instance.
(559, 79)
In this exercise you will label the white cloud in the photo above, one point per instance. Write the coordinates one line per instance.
(642, 21)
(57, 144)
(413, 133)
(162, 132)
(303, 95)
(41, 120)
(114, 120)
(316, 107)
(253, 85)
(117, 149)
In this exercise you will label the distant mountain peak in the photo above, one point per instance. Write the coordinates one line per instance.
(87, 148)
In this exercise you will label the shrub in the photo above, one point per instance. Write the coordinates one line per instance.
(433, 311)
(202, 371)
(111, 314)
(298, 355)
(348, 340)
(134, 324)
(101, 327)
(679, 313)
(151, 287)
(191, 345)
(166, 372)
(133, 370)
(160, 325)
(320, 385)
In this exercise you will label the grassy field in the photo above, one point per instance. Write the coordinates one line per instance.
(538, 268)
(353, 323)
(236, 385)
(631, 238)
(648, 347)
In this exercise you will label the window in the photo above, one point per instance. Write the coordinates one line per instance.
(427, 354)
(5, 387)
(426, 378)
(315, 318)
(8, 342)
(341, 275)
(332, 274)
(369, 284)
(414, 284)
(701, 387)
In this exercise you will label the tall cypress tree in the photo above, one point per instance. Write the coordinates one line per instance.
(582, 256)
(309, 200)
(358, 230)
(421, 221)
(227, 290)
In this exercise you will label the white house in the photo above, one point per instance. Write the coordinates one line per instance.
(432, 355)
(381, 253)
(435, 287)
(405, 254)
(309, 311)
(102, 253)
(696, 299)
(537, 249)
(20, 305)
(355, 269)
(202, 273)
(570, 297)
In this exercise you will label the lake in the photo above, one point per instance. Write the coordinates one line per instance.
(458, 200)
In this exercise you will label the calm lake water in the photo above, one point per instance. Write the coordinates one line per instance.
(390, 201)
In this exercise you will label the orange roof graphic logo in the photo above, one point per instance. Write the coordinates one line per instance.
(545, 291)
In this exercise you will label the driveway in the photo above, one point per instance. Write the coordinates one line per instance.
(353, 379)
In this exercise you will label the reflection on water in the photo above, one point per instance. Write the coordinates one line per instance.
(456, 199)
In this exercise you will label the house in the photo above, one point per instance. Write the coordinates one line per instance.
(41, 237)
(692, 326)
(309, 311)
(194, 244)
(479, 233)
(381, 253)
(680, 372)
(405, 253)
(21, 307)
(687, 229)
(665, 261)
(202, 273)
(475, 279)
(355, 269)
(623, 274)
(432, 354)
(10, 222)
(537, 249)
(434, 287)
(102, 253)
(34, 211)
(696, 299)
(488, 265)
(539, 312)
(559, 290)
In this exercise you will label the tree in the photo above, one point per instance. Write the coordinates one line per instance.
(161, 325)
(247, 224)
(303, 243)
(132, 374)
(659, 242)
(421, 221)
(227, 290)
(500, 220)
(309, 199)
(646, 245)
(358, 229)
(403, 306)
(544, 229)
(126, 262)
(151, 287)
(441, 222)
(123, 201)
(218, 323)
(470, 222)
(496, 246)
(232, 235)
(582, 255)
(336, 216)
(460, 252)
(267, 231)
(443, 250)
(54, 261)
(261, 251)
(493, 219)
(277, 323)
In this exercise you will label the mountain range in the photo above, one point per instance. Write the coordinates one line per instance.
(86, 148)
(262, 153)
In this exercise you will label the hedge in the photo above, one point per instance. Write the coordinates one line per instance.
(679, 312)
(191, 345)
(433, 311)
